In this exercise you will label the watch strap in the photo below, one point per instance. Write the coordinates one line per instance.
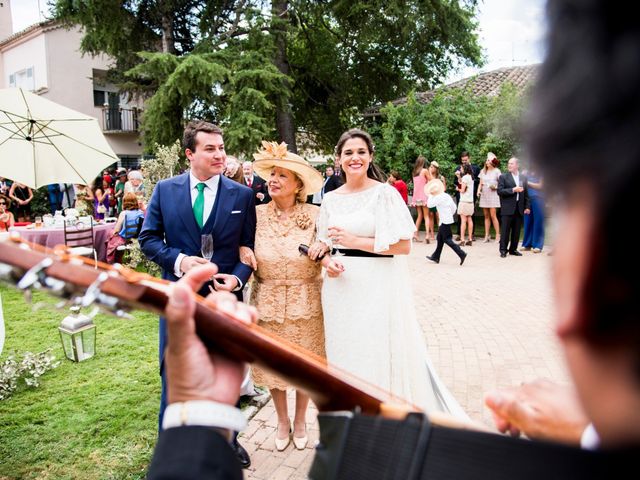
(205, 413)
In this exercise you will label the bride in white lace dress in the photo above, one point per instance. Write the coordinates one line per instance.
(370, 326)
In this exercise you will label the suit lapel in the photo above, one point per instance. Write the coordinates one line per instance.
(182, 194)
(227, 192)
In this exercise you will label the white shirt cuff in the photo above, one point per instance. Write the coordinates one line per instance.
(176, 266)
(204, 413)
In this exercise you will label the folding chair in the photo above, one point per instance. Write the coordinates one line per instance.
(131, 232)
(80, 239)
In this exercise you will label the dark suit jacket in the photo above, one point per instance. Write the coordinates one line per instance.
(506, 184)
(193, 453)
(258, 185)
(333, 182)
(170, 228)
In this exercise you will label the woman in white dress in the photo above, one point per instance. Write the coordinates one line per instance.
(370, 325)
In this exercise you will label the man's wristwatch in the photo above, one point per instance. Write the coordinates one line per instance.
(204, 413)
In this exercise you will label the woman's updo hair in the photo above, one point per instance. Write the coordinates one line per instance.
(373, 171)
(130, 201)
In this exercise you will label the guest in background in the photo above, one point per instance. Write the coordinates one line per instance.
(488, 194)
(465, 206)
(232, 170)
(331, 182)
(68, 193)
(84, 200)
(396, 181)
(101, 199)
(255, 183)
(55, 197)
(119, 188)
(5, 185)
(446, 207)
(434, 173)
(534, 222)
(6, 217)
(514, 204)
(127, 226)
(136, 185)
(420, 178)
(21, 195)
(465, 159)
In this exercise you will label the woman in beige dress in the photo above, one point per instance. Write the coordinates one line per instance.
(287, 284)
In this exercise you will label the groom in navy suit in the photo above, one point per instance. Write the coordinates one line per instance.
(201, 201)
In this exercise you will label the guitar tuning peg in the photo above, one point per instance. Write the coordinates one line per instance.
(62, 304)
(93, 292)
(35, 276)
(123, 314)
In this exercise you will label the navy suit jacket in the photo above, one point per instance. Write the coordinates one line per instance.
(170, 228)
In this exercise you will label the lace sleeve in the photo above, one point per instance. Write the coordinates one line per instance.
(393, 220)
(322, 223)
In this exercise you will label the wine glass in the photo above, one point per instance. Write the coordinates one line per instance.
(206, 245)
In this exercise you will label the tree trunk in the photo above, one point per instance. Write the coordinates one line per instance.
(284, 118)
(168, 41)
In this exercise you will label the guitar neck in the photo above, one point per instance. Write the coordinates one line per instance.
(330, 388)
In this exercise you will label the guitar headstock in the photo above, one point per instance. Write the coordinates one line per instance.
(76, 280)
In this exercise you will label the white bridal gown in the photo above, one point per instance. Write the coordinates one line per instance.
(371, 329)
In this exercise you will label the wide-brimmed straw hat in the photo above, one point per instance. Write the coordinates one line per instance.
(276, 155)
(434, 187)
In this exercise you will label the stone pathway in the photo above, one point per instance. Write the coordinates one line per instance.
(488, 324)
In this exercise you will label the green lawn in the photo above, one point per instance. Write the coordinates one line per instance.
(92, 420)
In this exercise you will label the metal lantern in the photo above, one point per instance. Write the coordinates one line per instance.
(78, 336)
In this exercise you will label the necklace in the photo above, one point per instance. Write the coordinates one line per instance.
(282, 225)
(288, 212)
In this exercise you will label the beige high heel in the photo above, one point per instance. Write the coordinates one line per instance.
(282, 443)
(301, 442)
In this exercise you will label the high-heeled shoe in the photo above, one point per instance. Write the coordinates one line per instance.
(282, 443)
(301, 442)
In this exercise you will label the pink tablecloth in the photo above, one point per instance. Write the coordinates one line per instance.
(52, 236)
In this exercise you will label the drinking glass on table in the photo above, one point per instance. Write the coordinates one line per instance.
(38, 222)
(206, 246)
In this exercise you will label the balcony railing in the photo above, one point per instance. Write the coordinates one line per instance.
(118, 119)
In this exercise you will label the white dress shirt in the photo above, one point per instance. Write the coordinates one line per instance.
(210, 192)
(516, 178)
(445, 205)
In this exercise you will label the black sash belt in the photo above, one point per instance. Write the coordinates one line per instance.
(349, 252)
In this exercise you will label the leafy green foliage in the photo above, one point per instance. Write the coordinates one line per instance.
(454, 121)
(237, 63)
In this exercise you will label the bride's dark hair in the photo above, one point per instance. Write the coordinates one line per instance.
(373, 171)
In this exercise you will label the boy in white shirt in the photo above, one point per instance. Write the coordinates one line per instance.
(446, 209)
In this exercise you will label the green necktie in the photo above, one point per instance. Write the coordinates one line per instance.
(198, 205)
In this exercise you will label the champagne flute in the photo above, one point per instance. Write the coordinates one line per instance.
(206, 246)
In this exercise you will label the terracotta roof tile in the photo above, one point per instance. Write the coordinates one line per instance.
(482, 84)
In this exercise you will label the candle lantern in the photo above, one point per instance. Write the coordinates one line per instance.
(78, 336)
